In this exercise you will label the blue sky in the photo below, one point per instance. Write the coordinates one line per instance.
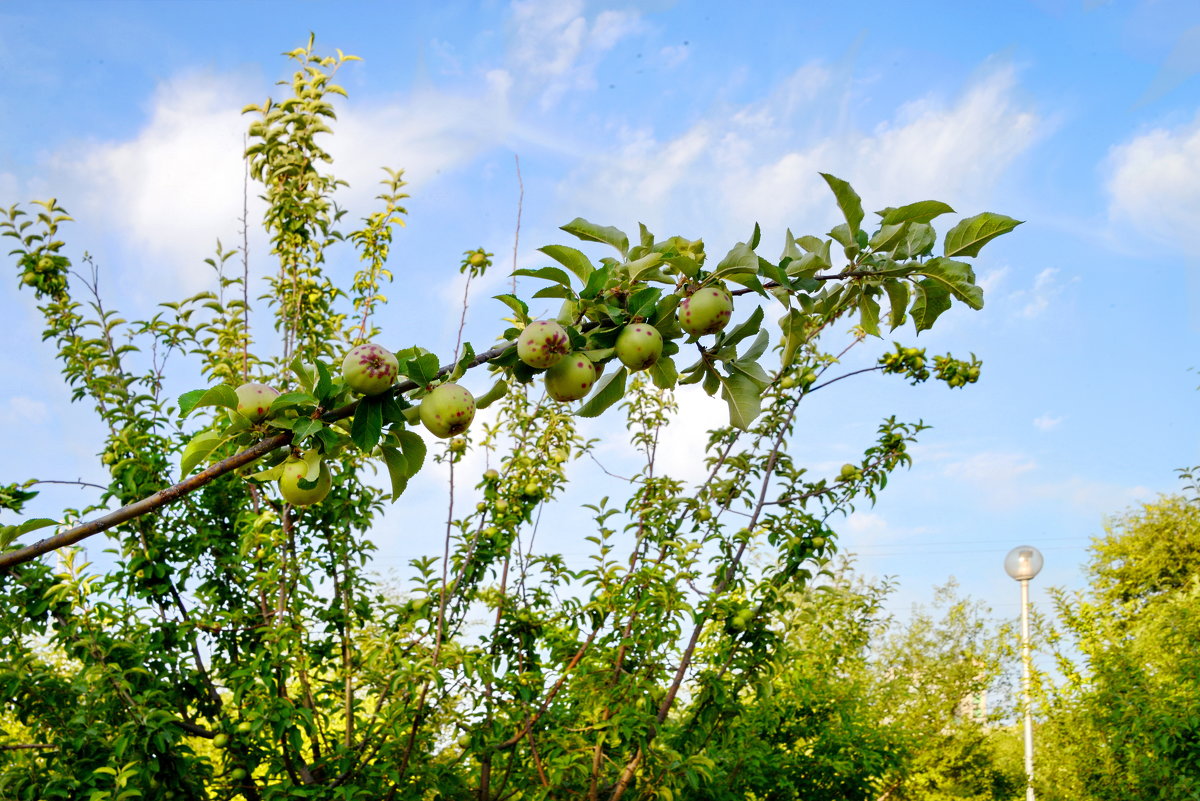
(1082, 118)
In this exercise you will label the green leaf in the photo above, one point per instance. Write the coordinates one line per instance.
(548, 274)
(570, 258)
(393, 410)
(887, 237)
(971, 234)
(305, 427)
(752, 370)
(367, 426)
(596, 282)
(198, 449)
(792, 325)
(868, 315)
(498, 391)
(757, 348)
(610, 390)
(464, 362)
(897, 292)
(751, 325)
(957, 277)
(663, 373)
(643, 265)
(306, 376)
(848, 201)
(590, 232)
(291, 400)
(555, 291)
(919, 240)
(10, 533)
(743, 397)
(755, 237)
(414, 451)
(397, 467)
(923, 211)
(520, 309)
(740, 259)
(220, 395)
(930, 299)
(423, 370)
(324, 384)
(642, 302)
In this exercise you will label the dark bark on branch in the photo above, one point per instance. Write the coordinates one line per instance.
(10, 559)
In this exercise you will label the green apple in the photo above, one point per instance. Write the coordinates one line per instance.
(448, 410)
(221, 740)
(849, 471)
(571, 378)
(542, 344)
(254, 400)
(639, 346)
(311, 469)
(706, 311)
(370, 369)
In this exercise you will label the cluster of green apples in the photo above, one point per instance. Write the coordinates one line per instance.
(448, 409)
(369, 369)
(570, 375)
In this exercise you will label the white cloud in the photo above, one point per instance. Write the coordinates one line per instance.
(21, 410)
(1154, 180)
(996, 474)
(1037, 299)
(760, 162)
(555, 46)
(1047, 422)
(172, 189)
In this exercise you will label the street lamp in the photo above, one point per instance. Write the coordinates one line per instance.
(1023, 563)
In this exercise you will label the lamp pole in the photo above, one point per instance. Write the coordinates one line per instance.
(1023, 563)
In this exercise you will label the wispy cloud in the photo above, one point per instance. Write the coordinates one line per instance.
(1047, 422)
(760, 162)
(1154, 180)
(556, 47)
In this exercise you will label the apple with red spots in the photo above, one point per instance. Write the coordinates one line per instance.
(448, 410)
(370, 369)
(639, 346)
(706, 311)
(570, 378)
(309, 468)
(254, 400)
(542, 344)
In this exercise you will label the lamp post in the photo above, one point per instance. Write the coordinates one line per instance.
(1023, 563)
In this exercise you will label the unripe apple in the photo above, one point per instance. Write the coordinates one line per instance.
(458, 445)
(490, 475)
(849, 471)
(221, 740)
(704, 515)
(571, 378)
(639, 346)
(477, 258)
(295, 469)
(237, 774)
(706, 311)
(787, 382)
(370, 369)
(244, 727)
(254, 400)
(448, 410)
(542, 344)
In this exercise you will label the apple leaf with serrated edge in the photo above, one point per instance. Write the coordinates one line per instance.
(590, 232)
(198, 449)
(397, 467)
(572, 259)
(923, 211)
(10, 533)
(610, 390)
(220, 395)
(744, 398)
(971, 234)
(367, 426)
(848, 201)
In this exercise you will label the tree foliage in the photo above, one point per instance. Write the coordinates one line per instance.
(1124, 721)
(239, 646)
